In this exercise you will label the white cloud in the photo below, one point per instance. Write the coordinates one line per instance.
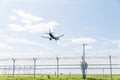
(13, 17)
(21, 40)
(27, 17)
(43, 45)
(15, 40)
(83, 40)
(4, 45)
(117, 42)
(40, 27)
(31, 23)
(15, 27)
(88, 47)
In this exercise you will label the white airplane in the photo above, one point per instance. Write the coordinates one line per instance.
(51, 36)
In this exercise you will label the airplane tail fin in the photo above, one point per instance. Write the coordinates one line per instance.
(50, 31)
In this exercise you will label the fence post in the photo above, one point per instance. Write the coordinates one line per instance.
(57, 67)
(103, 73)
(110, 67)
(34, 59)
(13, 66)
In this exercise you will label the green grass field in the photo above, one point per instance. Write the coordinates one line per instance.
(61, 77)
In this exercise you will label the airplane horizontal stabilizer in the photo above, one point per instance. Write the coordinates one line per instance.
(60, 35)
(45, 37)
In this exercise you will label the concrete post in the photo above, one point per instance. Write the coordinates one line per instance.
(34, 59)
(13, 66)
(110, 67)
(57, 67)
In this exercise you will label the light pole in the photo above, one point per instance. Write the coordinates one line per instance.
(84, 64)
(84, 51)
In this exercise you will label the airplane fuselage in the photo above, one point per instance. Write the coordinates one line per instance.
(52, 36)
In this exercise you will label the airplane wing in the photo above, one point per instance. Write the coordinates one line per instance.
(60, 35)
(45, 37)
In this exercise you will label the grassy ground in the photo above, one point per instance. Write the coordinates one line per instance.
(61, 77)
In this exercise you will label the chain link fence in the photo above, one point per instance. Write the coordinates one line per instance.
(60, 65)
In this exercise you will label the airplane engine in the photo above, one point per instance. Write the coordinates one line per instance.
(50, 38)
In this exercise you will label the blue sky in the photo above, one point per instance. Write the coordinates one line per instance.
(95, 22)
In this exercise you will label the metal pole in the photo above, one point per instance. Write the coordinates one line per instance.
(57, 67)
(83, 58)
(34, 59)
(13, 66)
(83, 61)
(110, 66)
(84, 51)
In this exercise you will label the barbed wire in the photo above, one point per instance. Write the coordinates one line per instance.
(62, 58)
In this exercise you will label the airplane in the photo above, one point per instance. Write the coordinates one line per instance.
(51, 36)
